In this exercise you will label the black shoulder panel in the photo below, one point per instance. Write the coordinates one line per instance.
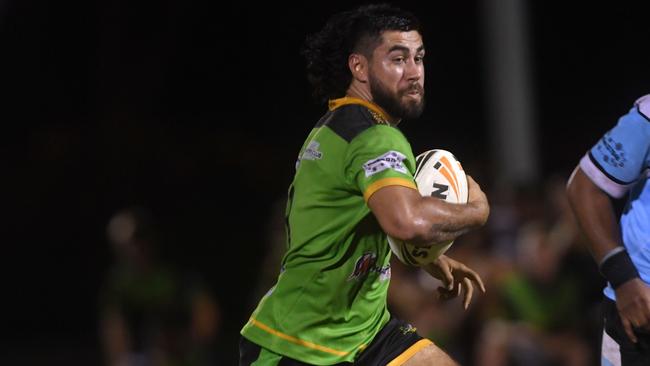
(349, 120)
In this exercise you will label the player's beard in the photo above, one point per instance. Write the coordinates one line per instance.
(392, 103)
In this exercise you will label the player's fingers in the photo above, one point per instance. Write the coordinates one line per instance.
(645, 316)
(476, 278)
(628, 329)
(448, 278)
(469, 290)
(468, 272)
(642, 322)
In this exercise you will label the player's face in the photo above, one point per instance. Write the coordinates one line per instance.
(397, 74)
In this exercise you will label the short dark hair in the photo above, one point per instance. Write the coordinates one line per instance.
(357, 30)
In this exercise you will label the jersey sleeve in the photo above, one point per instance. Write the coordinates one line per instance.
(620, 157)
(379, 157)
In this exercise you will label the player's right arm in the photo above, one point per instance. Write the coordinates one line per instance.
(594, 211)
(406, 215)
(595, 214)
(607, 172)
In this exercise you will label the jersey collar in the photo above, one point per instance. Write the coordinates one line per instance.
(377, 112)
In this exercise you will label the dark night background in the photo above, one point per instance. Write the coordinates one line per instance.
(196, 110)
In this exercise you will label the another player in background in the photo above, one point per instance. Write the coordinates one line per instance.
(615, 167)
(150, 312)
(353, 185)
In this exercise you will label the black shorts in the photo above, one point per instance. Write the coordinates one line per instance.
(397, 341)
(629, 353)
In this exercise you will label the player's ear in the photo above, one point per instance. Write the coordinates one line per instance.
(358, 65)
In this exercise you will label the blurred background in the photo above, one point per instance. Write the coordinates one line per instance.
(148, 146)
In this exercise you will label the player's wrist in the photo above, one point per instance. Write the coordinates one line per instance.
(480, 212)
(617, 267)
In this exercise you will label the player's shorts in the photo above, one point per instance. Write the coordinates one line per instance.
(394, 344)
(617, 348)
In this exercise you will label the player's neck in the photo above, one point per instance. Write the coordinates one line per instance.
(355, 91)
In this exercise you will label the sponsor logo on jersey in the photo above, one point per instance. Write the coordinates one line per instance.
(408, 328)
(390, 160)
(613, 151)
(367, 264)
(384, 273)
(310, 153)
(363, 265)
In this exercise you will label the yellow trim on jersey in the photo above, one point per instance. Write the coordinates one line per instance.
(404, 356)
(392, 181)
(336, 103)
(295, 340)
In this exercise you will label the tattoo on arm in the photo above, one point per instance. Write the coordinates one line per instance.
(443, 232)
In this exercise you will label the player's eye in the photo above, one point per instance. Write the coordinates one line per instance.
(399, 59)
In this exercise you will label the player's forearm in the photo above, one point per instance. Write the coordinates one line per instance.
(406, 215)
(440, 221)
(595, 214)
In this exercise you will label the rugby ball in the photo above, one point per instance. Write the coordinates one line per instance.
(438, 174)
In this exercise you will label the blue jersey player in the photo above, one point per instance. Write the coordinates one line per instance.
(618, 167)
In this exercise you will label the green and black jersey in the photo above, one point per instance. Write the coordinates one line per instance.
(330, 298)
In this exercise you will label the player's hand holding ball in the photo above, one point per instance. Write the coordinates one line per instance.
(478, 199)
(440, 175)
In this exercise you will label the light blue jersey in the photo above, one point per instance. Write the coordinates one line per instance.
(620, 164)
